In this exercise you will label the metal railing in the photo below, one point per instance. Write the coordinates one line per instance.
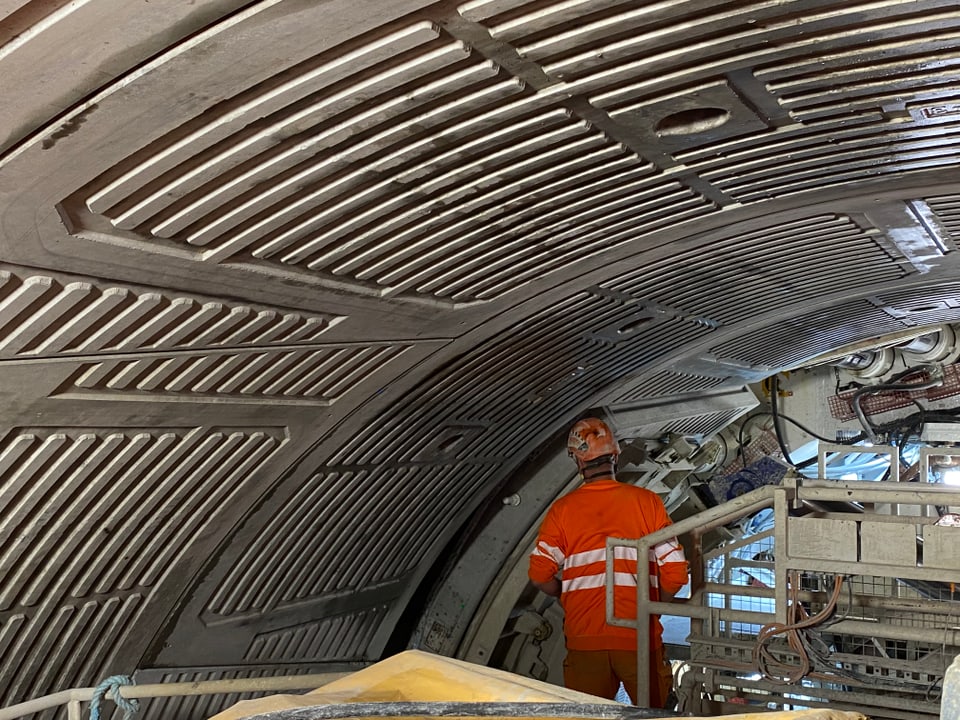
(795, 550)
(73, 698)
(695, 526)
(518, 709)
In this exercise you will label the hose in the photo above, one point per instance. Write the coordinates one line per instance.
(936, 379)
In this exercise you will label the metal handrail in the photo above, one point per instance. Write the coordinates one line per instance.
(778, 496)
(73, 697)
(714, 517)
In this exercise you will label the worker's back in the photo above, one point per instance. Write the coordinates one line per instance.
(574, 536)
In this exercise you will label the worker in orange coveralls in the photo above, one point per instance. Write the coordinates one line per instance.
(572, 541)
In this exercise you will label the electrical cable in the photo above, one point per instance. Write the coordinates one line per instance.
(821, 654)
(799, 425)
(936, 380)
(796, 423)
(777, 423)
(903, 428)
(931, 687)
(764, 661)
(778, 427)
(918, 430)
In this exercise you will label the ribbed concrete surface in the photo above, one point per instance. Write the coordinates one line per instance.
(287, 289)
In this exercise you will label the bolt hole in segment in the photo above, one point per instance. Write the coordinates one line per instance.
(689, 122)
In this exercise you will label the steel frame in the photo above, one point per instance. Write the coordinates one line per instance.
(791, 496)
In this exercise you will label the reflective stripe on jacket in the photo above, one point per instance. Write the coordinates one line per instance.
(573, 539)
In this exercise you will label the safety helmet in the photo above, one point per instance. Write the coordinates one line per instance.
(591, 438)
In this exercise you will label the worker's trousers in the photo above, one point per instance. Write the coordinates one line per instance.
(600, 672)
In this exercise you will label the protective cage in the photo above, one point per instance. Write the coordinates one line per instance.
(837, 594)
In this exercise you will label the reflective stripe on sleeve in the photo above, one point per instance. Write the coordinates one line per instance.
(669, 551)
(549, 551)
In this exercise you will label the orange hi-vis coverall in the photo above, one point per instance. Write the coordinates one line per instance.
(573, 540)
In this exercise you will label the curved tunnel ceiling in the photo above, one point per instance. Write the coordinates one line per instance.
(289, 289)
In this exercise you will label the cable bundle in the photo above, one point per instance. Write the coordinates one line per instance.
(797, 621)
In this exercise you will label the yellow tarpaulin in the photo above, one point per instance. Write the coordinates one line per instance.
(416, 676)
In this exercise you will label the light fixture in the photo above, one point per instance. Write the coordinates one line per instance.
(950, 476)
